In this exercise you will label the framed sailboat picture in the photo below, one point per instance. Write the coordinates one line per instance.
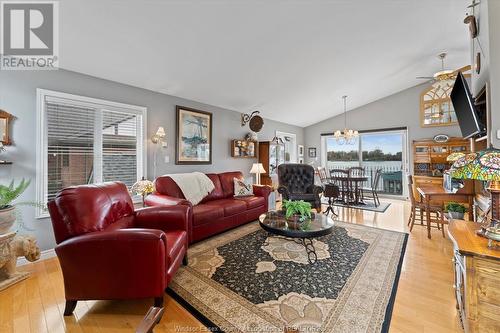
(193, 136)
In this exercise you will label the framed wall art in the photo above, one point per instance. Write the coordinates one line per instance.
(301, 150)
(193, 136)
(312, 152)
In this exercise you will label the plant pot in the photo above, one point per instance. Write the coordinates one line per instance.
(296, 218)
(7, 219)
(456, 215)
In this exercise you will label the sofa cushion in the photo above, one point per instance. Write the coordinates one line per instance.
(204, 213)
(175, 241)
(217, 192)
(253, 201)
(230, 206)
(227, 182)
(166, 185)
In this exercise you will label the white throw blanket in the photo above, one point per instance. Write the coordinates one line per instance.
(195, 185)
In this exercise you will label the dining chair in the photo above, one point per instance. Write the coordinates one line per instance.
(342, 183)
(419, 209)
(330, 191)
(323, 176)
(372, 192)
(357, 172)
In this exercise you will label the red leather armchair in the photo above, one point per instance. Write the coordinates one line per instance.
(107, 250)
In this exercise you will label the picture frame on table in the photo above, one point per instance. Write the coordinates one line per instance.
(193, 140)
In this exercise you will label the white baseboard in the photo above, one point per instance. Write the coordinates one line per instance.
(46, 254)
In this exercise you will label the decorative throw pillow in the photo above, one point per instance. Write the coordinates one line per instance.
(242, 188)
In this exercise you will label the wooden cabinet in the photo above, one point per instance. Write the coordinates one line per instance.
(271, 155)
(477, 278)
(429, 157)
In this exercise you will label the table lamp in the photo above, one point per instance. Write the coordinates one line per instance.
(454, 156)
(484, 166)
(257, 168)
(143, 187)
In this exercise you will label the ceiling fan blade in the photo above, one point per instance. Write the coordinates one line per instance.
(462, 69)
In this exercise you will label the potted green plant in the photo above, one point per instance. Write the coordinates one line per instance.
(455, 210)
(298, 210)
(7, 210)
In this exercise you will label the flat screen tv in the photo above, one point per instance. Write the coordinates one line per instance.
(463, 103)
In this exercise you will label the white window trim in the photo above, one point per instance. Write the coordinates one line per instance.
(41, 136)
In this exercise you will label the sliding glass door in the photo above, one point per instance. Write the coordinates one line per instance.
(385, 150)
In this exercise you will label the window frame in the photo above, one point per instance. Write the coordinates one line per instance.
(404, 154)
(101, 104)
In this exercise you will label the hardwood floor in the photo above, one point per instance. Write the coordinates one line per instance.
(424, 301)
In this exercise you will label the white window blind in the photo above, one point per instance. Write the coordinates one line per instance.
(85, 141)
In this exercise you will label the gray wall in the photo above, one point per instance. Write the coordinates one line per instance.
(488, 43)
(18, 97)
(494, 49)
(398, 110)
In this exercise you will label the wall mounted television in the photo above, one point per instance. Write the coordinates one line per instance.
(463, 103)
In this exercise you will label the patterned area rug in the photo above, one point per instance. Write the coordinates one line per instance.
(246, 280)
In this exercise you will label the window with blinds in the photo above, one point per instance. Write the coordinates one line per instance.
(85, 141)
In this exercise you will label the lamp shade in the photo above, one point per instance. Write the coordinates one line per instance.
(142, 187)
(454, 156)
(483, 165)
(257, 168)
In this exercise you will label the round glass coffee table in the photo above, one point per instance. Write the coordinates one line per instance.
(276, 224)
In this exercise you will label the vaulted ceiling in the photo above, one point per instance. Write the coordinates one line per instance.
(293, 60)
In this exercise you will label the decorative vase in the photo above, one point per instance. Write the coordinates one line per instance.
(7, 219)
(456, 215)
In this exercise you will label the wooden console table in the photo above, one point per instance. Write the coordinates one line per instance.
(477, 278)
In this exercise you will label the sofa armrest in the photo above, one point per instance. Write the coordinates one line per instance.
(156, 199)
(125, 263)
(163, 217)
(262, 190)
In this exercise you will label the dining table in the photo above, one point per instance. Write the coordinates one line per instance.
(431, 193)
(350, 187)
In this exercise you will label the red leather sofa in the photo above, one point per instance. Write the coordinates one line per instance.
(108, 250)
(217, 212)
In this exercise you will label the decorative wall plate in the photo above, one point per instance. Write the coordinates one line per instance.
(441, 138)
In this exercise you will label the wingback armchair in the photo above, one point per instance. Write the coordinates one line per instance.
(108, 250)
(296, 182)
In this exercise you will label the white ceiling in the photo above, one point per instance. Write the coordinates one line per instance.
(293, 60)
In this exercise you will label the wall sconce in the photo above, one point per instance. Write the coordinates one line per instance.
(159, 136)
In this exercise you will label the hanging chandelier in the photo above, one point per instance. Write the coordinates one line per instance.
(349, 136)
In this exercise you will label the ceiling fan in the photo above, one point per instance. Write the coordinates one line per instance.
(445, 77)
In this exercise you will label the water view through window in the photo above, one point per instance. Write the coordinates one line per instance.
(372, 151)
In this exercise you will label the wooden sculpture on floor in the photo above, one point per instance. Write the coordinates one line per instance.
(12, 247)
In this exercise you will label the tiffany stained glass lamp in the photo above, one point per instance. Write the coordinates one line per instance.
(484, 166)
(143, 187)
